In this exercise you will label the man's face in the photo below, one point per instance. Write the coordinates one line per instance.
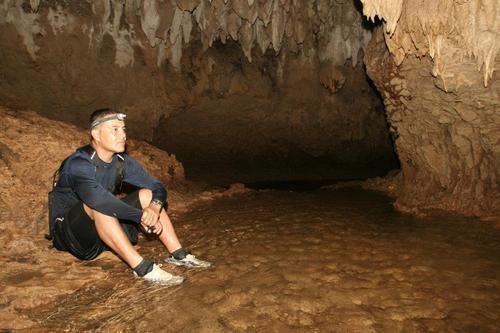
(111, 135)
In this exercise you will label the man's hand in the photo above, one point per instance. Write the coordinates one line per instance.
(150, 219)
(156, 229)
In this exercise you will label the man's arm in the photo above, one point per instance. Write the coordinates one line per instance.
(137, 176)
(94, 195)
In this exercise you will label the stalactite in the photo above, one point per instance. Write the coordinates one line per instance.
(269, 24)
(449, 31)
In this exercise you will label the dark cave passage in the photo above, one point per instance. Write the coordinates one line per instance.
(247, 128)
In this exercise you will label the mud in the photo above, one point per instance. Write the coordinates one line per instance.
(322, 261)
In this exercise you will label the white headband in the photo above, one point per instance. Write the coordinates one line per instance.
(119, 116)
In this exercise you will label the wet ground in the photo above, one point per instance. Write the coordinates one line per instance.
(318, 261)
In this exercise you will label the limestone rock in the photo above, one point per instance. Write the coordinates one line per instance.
(187, 5)
(447, 155)
(450, 31)
(331, 77)
(289, 20)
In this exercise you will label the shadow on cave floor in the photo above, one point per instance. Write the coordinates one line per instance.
(288, 175)
(319, 261)
(306, 185)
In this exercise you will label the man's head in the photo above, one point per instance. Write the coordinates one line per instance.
(107, 128)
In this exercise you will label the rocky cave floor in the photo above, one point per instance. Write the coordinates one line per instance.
(332, 260)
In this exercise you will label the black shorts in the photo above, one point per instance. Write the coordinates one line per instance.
(77, 233)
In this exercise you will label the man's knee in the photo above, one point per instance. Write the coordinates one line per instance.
(96, 215)
(145, 196)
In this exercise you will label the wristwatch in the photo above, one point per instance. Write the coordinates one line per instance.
(157, 202)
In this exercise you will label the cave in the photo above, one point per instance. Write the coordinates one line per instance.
(373, 122)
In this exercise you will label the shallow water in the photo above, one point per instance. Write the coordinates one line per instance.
(321, 261)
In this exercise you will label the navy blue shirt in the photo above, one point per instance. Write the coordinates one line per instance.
(93, 182)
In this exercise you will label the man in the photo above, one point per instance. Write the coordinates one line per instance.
(95, 220)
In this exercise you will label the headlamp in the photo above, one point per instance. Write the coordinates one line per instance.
(119, 116)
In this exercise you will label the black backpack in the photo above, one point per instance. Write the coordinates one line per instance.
(60, 201)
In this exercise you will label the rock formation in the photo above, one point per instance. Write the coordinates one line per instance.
(434, 63)
(167, 26)
(80, 43)
(297, 64)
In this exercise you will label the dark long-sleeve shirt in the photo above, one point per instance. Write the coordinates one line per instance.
(93, 182)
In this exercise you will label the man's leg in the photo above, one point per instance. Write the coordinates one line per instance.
(168, 236)
(112, 234)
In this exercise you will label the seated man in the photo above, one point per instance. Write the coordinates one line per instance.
(95, 220)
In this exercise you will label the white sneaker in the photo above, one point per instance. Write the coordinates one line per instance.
(189, 261)
(160, 276)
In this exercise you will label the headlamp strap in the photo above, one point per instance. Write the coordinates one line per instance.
(119, 116)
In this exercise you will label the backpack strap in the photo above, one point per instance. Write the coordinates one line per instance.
(55, 176)
(120, 171)
(91, 152)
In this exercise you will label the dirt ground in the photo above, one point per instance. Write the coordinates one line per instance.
(319, 261)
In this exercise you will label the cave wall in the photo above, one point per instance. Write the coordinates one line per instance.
(436, 66)
(172, 65)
